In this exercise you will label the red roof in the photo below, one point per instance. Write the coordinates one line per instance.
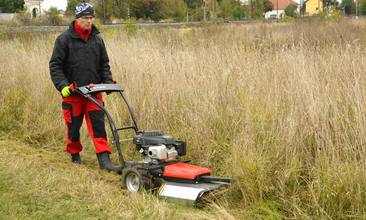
(282, 4)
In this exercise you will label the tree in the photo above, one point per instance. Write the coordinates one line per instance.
(231, 9)
(120, 8)
(147, 9)
(257, 8)
(176, 9)
(153, 9)
(53, 16)
(290, 10)
(363, 7)
(226, 8)
(238, 11)
(349, 7)
(267, 6)
(70, 8)
(137, 9)
(193, 3)
(11, 6)
(194, 9)
(104, 9)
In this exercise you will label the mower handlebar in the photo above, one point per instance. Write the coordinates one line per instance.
(95, 88)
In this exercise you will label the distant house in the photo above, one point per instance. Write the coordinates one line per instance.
(33, 7)
(244, 2)
(279, 7)
(314, 7)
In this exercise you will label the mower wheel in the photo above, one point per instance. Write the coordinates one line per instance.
(136, 180)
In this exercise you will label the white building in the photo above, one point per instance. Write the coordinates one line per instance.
(245, 2)
(34, 7)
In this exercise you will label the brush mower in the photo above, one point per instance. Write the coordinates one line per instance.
(161, 169)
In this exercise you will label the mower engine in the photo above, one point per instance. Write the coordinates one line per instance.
(176, 179)
(158, 147)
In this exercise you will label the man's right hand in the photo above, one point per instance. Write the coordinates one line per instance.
(66, 92)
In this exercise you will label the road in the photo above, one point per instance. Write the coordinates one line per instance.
(113, 26)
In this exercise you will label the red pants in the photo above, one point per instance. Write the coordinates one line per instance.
(75, 107)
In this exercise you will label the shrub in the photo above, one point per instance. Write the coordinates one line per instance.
(290, 10)
(130, 26)
(24, 16)
(363, 7)
(348, 7)
(54, 16)
(287, 19)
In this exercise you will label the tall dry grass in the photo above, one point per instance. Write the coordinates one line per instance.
(278, 107)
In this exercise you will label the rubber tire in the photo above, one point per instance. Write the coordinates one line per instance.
(145, 182)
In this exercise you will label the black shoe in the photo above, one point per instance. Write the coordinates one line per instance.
(106, 163)
(75, 158)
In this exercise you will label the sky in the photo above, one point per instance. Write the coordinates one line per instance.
(60, 4)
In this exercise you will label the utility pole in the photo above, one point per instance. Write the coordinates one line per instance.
(103, 6)
(301, 8)
(250, 9)
(356, 8)
(187, 4)
(128, 12)
(277, 11)
(40, 10)
(204, 10)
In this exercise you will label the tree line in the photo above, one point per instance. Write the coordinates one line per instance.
(176, 10)
(11, 6)
(184, 10)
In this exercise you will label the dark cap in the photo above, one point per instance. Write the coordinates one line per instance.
(84, 9)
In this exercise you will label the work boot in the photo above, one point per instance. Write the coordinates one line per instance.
(106, 163)
(75, 158)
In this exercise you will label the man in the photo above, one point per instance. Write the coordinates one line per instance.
(80, 58)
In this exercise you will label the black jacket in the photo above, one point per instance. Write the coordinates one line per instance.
(74, 60)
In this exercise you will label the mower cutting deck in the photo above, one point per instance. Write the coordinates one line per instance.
(161, 169)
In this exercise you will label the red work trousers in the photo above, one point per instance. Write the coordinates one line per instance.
(74, 108)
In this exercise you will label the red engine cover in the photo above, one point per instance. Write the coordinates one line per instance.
(185, 171)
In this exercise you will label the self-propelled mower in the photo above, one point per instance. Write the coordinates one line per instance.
(161, 168)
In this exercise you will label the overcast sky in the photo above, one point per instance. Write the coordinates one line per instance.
(60, 4)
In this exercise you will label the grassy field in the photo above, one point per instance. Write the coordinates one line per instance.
(278, 107)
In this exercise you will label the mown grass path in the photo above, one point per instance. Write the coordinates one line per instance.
(39, 184)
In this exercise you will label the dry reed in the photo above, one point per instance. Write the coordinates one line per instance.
(278, 107)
